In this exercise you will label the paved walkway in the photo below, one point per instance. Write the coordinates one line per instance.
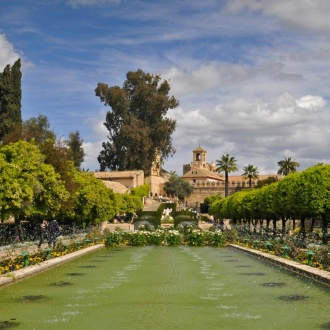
(151, 205)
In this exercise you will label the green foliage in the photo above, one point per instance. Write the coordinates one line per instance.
(285, 203)
(142, 191)
(250, 172)
(226, 164)
(215, 238)
(156, 237)
(76, 150)
(208, 201)
(139, 131)
(266, 182)
(178, 187)
(93, 201)
(173, 238)
(287, 166)
(195, 237)
(112, 239)
(137, 238)
(10, 98)
(29, 187)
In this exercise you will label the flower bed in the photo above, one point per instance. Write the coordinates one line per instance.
(188, 235)
(312, 254)
(25, 259)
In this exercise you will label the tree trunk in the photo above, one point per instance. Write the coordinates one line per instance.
(312, 225)
(18, 229)
(226, 184)
(283, 227)
(324, 229)
(302, 226)
(260, 226)
(274, 227)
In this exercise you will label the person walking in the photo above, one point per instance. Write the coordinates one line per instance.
(54, 232)
(43, 232)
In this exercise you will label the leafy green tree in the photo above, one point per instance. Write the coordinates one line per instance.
(226, 164)
(208, 201)
(139, 131)
(267, 209)
(76, 150)
(35, 129)
(177, 187)
(128, 204)
(266, 182)
(248, 206)
(28, 186)
(250, 172)
(284, 199)
(141, 191)
(234, 207)
(93, 201)
(10, 98)
(312, 191)
(287, 166)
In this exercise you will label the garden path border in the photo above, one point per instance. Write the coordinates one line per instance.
(305, 270)
(20, 274)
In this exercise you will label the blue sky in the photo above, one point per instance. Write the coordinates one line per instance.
(251, 76)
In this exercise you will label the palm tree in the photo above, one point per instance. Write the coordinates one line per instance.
(287, 166)
(250, 172)
(226, 164)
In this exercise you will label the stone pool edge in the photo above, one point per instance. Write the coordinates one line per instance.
(318, 275)
(20, 274)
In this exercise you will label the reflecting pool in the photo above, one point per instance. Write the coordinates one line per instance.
(165, 288)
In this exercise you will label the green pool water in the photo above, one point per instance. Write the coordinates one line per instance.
(165, 288)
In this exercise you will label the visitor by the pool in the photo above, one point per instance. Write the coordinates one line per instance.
(43, 232)
(54, 232)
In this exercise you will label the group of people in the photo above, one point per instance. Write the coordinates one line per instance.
(49, 231)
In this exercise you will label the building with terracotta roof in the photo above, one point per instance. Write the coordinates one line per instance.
(207, 182)
(128, 179)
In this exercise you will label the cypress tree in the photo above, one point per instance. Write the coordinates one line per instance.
(10, 98)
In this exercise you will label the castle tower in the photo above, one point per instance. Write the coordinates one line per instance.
(199, 158)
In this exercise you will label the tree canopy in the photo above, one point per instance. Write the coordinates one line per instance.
(76, 150)
(177, 187)
(29, 187)
(250, 172)
(139, 131)
(287, 166)
(10, 98)
(226, 164)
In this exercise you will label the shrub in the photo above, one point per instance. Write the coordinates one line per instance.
(112, 239)
(173, 238)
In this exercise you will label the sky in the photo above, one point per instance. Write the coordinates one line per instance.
(251, 76)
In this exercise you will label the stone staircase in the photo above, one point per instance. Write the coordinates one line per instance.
(151, 205)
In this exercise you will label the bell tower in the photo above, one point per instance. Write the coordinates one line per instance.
(199, 158)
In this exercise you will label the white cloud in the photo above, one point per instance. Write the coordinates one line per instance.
(77, 3)
(310, 102)
(7, 55)
(312, 15)
(92, 150)
(255, 132)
